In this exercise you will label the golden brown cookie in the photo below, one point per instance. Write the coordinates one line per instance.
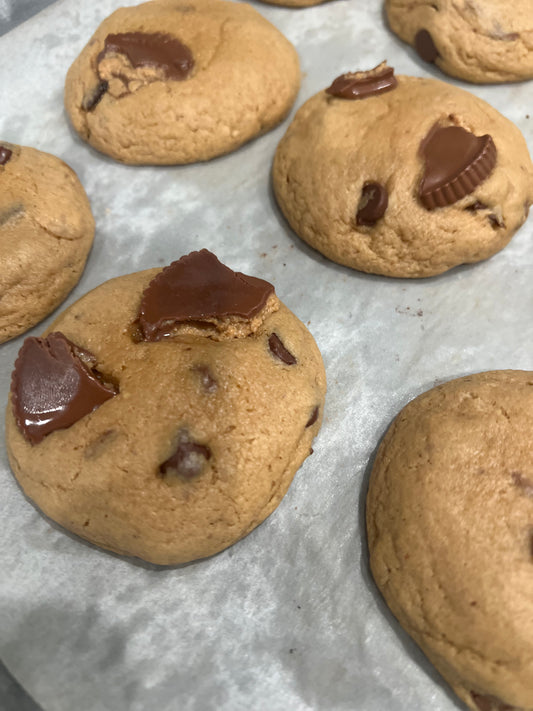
(402, 176)
(179, 81)
(165, 413)
(450, 533)
(482, 41)
(46, 232)
(295, 3)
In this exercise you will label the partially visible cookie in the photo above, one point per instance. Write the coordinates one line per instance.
(295, 3)
(483, 41)
(165, 413)
(46, 232)
(179, 81)
(402, 176)
(450, 533)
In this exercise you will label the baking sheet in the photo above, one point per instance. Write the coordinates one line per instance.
(288, 618)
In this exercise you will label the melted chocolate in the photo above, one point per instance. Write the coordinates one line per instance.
(54, 384)
(278, 349)
(93, 98)
(360, 85)
(198, 288)
(455, 162)
(484, 702)
(5, 155)
(155, 49)
(373, 203)
(189, 459)
(425, 46)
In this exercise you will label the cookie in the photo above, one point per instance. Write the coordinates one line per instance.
(450, 533)
(402, 176)
(482, 42)
(165, 413)
(180, 81)
(46, 233)
(295, 3)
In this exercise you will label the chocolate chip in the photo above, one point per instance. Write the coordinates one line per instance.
(198, 288)
(425, 46)
(189, 459)
(360, 85)
(209, 384)
(455, 162)
(372, 204)
(313, 418)
(5, 155)
(92, 98)
(152, 49)
(496, 220)
(485, 702)
(278, 349)
(523, 483)
(475, 206)
(54, 384)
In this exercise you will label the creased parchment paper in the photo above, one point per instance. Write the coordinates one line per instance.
(289, 618)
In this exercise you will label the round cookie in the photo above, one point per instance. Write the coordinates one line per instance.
(46, 233)
(402, 176)
(450, 533)
(180, 81)
(482, 42)
(183, 402)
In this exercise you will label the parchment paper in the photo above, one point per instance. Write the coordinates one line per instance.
(288, 618)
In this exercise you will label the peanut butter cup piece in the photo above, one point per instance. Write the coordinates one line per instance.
(198, 288)
(153, 49)
(361, 85)
(55, 384)
(455, 162)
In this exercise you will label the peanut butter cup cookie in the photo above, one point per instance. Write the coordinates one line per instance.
(165, 413)
(46, 232)
(450, 532)
(402, 176)
(482, 41)
(180, 81)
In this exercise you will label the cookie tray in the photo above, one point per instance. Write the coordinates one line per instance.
(288, 618)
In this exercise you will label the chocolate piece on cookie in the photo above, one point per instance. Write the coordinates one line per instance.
(180, 81)
(402, 176)
(482, 42)
(46, 232)
(166, 412)
(450, 528)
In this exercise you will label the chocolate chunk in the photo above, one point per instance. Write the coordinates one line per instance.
(484, 702)
(198, 288)
(313, 418)
(425, 46)
(373, 203)
(189, 459)
(279, 350)
(209, 384)
(5, 155)
(152, 49)
(54, 384)
(496, 220)
(475, 206)
(91, 99)
(456, 162)
(360, 85)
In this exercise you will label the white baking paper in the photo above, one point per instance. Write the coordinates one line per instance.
(287, 619)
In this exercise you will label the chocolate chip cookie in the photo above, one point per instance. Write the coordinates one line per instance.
(46, 233)
(180, 81)
(482, 41)
(402, 176)
(165, 413)
(450, 533)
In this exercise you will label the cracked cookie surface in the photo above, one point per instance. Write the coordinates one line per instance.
(482, 41)
(180, 81)
(179, 431)
(402, 176)
(46, 233)
(450, 533)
